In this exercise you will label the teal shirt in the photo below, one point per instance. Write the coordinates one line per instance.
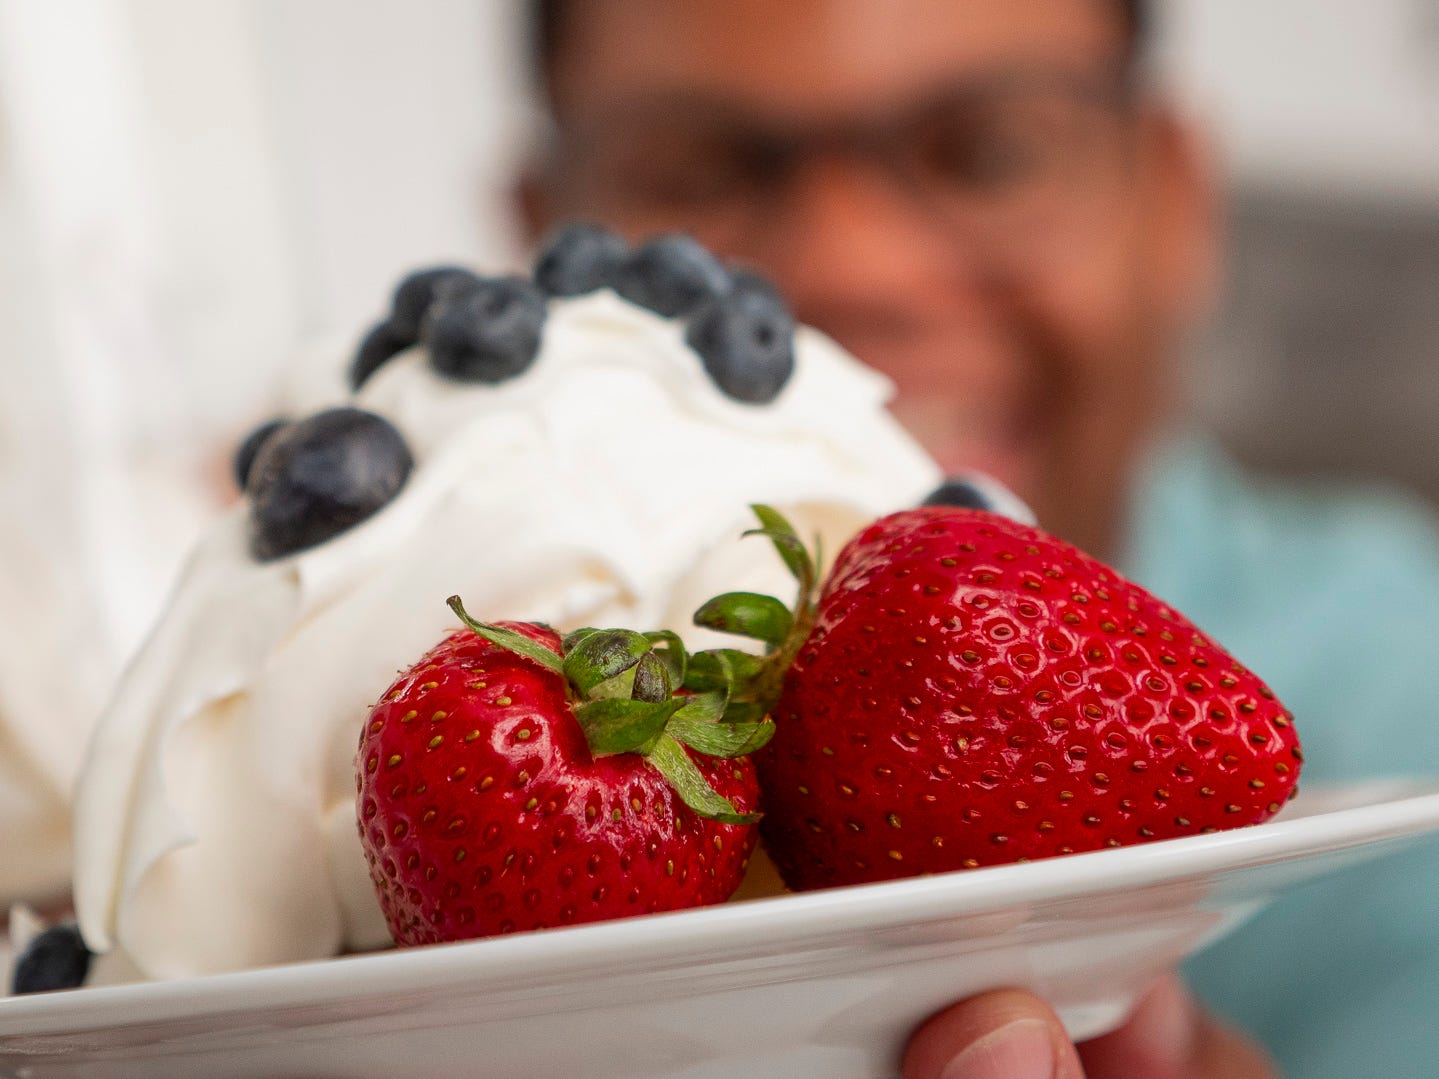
(1332, 597)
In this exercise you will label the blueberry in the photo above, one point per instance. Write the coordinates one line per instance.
(245, 454)
(745, 339)
(487, 330)
(671, 275)
(960, 493)
(321, 476)
(416, 293)
(579, 258)
(977, 491)
(56, 959)
(381, 343)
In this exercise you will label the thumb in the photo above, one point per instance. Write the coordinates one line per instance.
(1006, 1034)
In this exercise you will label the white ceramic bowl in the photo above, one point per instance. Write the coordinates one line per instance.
(817, 985)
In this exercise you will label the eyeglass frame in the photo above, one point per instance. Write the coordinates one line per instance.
(577, 139)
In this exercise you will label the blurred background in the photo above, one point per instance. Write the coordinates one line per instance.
(192, 193)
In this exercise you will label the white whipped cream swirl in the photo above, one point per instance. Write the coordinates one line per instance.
(606, 486)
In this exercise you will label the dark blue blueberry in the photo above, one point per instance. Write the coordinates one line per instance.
(321, 476)
(980, 491)
(487, 330)
(381, 343)
(248, 449)
(579, 258)
(56, 959)
(745, 338)
(416, 293)
(961, 493)
(671, 275)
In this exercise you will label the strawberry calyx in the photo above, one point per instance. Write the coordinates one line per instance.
(754, 681)
(633, 693)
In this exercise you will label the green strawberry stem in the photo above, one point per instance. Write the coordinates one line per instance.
(755, 681)
(680, 772)
(507, 638)
(629, 695)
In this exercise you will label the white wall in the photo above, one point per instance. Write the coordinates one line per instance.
(1325, 355)
(395, 123)
(245, 174)
(1328, 96)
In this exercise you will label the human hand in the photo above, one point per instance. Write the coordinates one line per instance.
(1010, 1034)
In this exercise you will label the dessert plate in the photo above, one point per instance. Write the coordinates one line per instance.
(797, 986)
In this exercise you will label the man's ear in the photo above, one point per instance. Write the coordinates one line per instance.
(1185, 218)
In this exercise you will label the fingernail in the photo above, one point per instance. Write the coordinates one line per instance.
(1023, 1049)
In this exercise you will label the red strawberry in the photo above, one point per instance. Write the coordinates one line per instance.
(502, 785)
(975, 692)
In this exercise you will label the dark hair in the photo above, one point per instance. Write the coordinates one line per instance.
(549, 22)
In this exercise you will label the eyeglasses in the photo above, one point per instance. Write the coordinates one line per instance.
(1013, 162)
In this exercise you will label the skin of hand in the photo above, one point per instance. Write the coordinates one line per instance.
(1010, 1034)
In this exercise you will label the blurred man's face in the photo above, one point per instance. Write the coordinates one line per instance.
(961, 192)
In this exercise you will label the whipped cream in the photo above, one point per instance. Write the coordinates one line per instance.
(607, 486)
